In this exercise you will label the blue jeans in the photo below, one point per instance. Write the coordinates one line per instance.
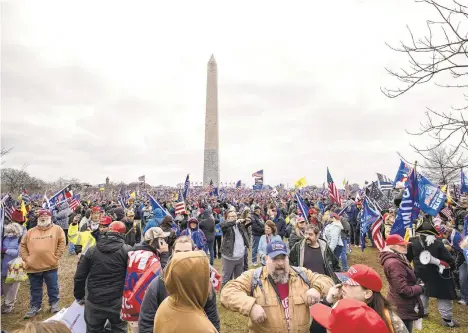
(463, 270)
(210, 245)
(256, 241)
(337, 251)
(344, 255)
(36, 280)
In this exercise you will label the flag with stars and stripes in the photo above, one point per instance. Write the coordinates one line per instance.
(8, 206)
(332, 189)
(74, 202)
(377, 235)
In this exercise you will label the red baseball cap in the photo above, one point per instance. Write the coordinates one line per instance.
(96, 209)
(361, 275)
(396, 240)
(348, 316)
(44, 212)
(105, 220)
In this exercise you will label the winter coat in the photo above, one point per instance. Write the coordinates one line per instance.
(235, 296)
(280, 226)
(102, 270)
(197, 236)
(11, 247)
(144, 246)
(403, 291)
(82, 240)
(227, 245)
(331, 263)
(437, 286)
(332, 234)
(156, 293)
(207, 225)
(262, 246)
(351, 213)
(185, 277)
(61, 217)
(258, 225)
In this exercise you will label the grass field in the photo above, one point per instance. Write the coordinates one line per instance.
(230, 322)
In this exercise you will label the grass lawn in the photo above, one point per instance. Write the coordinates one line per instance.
(230, 322)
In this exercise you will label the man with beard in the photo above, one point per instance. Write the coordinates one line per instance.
(41, 249)
(314, 254)
(264, 293)
(133, 234)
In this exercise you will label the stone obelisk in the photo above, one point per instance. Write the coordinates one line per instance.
(211, 160)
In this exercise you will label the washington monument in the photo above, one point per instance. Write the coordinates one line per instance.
(211, 160)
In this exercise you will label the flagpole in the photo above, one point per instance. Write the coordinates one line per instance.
(413, 231)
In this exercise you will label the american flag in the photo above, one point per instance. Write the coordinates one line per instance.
(74, 201)
(377, 235)
(447, 212)
(8, 206)
(332, 190)
(259, 173)
(25, 197)
(179, 208)
(384, 182)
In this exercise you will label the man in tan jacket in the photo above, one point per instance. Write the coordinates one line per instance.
(41, 249)
(276, 297)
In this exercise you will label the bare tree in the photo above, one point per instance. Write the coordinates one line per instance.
(440, 166)
(440, 55)
(3, 152)
(15, 181)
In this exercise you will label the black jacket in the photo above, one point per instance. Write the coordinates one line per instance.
(229, 237)
(437, 285)
(258, 226)
(207, 225)
(154, 296)
(104, 267)
(280, 227)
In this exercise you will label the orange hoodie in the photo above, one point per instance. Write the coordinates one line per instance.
(42, 249)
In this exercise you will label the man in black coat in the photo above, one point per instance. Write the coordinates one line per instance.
(207, 225)
(157, 292)
(258, 230)
(101, 271)
(437, 285)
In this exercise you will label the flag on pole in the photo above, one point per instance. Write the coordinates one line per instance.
(409, 207)
(300, 183)
(402, 173)
(238, 184)
(155, 204)
(186, 187)
(369, 217)
(301, 206)
(332, 189)
(259, 173)
(377, 235)
(142, 179)
(464, 183)
(179, 207)
(75, 202)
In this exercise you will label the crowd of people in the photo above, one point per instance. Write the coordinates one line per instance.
(152, 269)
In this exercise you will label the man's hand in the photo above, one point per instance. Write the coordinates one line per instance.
(312, 296)
(257, 314)
(333, 293)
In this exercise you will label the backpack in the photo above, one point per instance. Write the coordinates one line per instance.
(256, 281)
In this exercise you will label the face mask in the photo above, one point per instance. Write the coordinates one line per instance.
(94, 226)
(10, 234)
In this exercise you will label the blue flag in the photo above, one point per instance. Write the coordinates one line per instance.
(455, 240)
(409, 207)
(369, 216)
(431, 198)
(402, 173)
(155, 204)
(464, 183)
(186, 187)
(302, 206)
(465, 253)
(60, 196)
(238, 184)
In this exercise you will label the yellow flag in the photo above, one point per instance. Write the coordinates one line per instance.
(345, 182)
(133, 195)
(24, 210)
(444, 188)
(301, 183)
(407, 234)
(446, 191)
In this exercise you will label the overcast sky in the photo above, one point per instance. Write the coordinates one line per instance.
(96, 89)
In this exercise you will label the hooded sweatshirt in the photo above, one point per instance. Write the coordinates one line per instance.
(187, 279)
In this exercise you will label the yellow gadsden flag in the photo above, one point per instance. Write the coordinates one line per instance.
(24, 210)
(301, 183)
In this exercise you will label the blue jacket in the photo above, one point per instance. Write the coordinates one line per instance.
(11, 245)
(155, 221)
